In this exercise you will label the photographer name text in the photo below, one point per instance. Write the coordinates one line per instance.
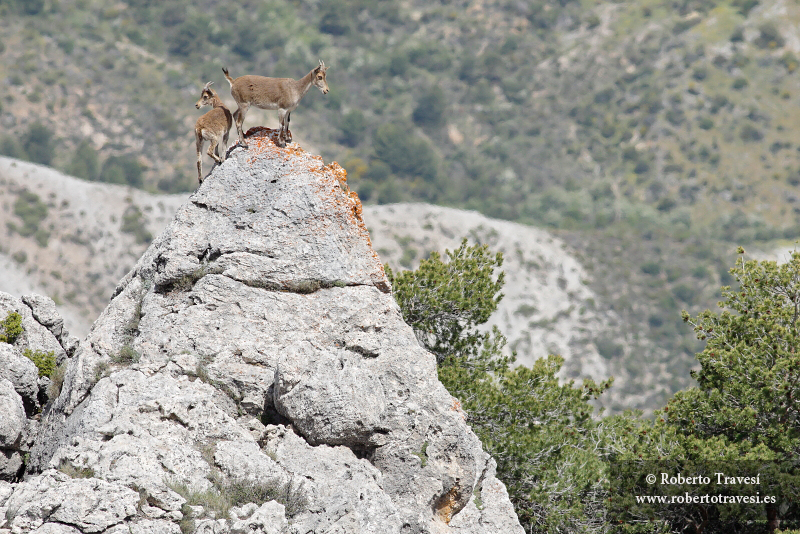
(719, 478)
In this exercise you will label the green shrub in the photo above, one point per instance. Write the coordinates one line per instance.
(651, 268)
(685, 293)
(31, 210)
(38, 144)
(75, 472)
(393, 144)
(398, 64)
(750, 133)
(705, 123)
(430, 56)
(85, 162)
(183, 39)
(126, 355)
(431, 108)
(236, 492)
(335, 17)
(608, 348)
(122, 170)
(744, 6)
(45, 361)
(133, 223)
(11, 328)
(739, 83)
(56, 381)
(352, 126)
(769, 36)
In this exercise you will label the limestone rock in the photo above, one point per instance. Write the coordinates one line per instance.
(12, 422)
(22, 373)
(89, 505)
(267, 519)
(44, 311)
(10, 464)
(255, 350)
(35, 337)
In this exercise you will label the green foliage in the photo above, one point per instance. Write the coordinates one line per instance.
(85, 162)
(32, 211)
(24, 7)
(431, 108)
(45, 361)
(225, 494)
(38, 144)
(126, 355)
(56, 381)
(10, 146)
(769, 36)
(750, 359)
(122, 170)
(744, 405)
(353, 125)
(540, 432)
(184, 40)
(75, 472)
(11, 328)
(393, 144)
(445, 301)
(335, 17)
(133, 223)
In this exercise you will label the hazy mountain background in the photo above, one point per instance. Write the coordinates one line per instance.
(651, 137)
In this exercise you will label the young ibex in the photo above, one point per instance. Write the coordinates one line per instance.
(214, 126)
(283, 94)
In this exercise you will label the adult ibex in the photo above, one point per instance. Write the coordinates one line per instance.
(214, 126)
(283, 94)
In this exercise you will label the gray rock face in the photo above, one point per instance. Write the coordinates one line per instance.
(36, 336)
(12, 426)
(13, 421)
(21, 372)
(88, 505)
(255, 350)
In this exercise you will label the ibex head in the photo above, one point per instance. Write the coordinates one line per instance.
(319, 77)
(206, 97)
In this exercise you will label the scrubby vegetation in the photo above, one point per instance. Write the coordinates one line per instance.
(32, 211)
(570, 468)
(45, 361)
(227, 493)
(11, 328)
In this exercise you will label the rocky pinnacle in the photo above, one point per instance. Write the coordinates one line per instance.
(257, 342)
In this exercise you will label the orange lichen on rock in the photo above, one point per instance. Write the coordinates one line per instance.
(448, 505)
(331, 187)
(340, 174)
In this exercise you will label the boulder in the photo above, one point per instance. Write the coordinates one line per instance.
(88, 505)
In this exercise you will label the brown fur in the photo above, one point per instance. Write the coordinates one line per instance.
(282, 94)
(214, 126)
